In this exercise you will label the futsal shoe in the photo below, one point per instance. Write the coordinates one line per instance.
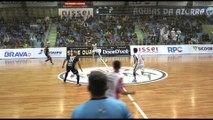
(134, 80)
(149, 76)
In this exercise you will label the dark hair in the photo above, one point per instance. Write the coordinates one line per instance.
(135, 50)
(97, 83)
(116, 65)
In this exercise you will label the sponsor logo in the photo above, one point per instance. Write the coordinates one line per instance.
(195, 48)
(55, 52)
(202, 48)
(17, 54)
(116, 51)
(86, 52)
(126, 72)
(174, 49)
(51, 52)
(209, 11)
(148, 49)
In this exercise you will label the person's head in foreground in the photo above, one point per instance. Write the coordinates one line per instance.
(100, 106)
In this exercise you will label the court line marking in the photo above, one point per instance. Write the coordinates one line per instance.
(131, 99)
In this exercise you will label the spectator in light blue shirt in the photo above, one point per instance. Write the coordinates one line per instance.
(99, 106)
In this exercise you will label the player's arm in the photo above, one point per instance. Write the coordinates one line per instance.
(64, 63)
(123, 92)
(121, 88)
(92, 47)
(135, 61)
(142, 58)
(127, 92)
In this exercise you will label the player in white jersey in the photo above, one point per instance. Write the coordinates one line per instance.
(138, 64)
(115, 82)
(96, 50)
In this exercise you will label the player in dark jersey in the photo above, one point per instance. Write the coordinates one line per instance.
(46, 52)
(72, 60)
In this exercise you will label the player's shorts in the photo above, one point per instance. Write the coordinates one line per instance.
(141, 67)
(47, 54)
(96, 51)
(72, 69)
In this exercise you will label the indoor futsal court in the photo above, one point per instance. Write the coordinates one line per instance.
(31, 88)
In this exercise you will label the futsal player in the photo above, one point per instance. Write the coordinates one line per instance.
(46, 52)
(96, 50)
(72, 60)
(138, 64)
(115, 82)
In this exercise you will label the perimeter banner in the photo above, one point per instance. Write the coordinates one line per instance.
(105, 51)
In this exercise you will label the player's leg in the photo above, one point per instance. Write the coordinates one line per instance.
(75, 71)
(72, 75)
(134, 73)
(141, 67)
(149, 76)
(47, 58)
(66, 74)
(142, 72)
(99, 53)
(93, 53)
(50, 58)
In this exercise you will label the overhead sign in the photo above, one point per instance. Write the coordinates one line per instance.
(108, 3)
(173, 11)
(203, 3)
(142, 3)
(6, 4)
(76, 11)
(172, 3)
(41, 4)
(75, 3)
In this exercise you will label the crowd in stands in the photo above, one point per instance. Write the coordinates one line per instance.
(120, 30)
(173, 30)
(106, 30)
(22, 33)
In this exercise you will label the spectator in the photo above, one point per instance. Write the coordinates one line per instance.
(99, 106)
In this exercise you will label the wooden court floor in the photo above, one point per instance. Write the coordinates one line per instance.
(30, 88)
